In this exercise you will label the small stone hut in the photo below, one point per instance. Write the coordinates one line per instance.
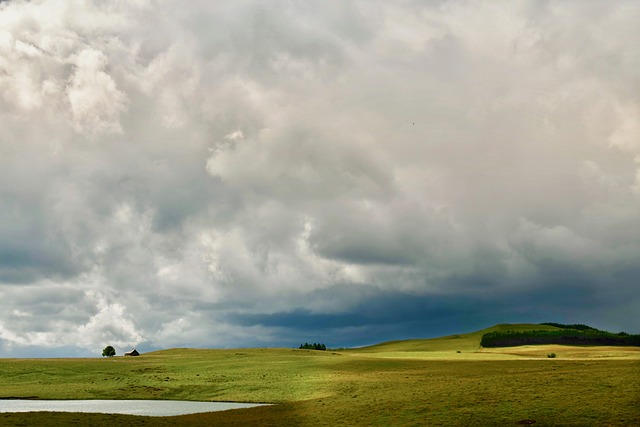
(133, 352)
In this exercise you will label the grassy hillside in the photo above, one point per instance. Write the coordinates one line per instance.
(247, 375)
(469, 346)
(465, 343)
(356, 387)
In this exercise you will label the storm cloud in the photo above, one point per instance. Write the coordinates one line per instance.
(250, 174)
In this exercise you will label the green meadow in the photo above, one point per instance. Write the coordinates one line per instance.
(443, 381)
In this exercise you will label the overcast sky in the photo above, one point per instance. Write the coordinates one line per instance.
(249, 173)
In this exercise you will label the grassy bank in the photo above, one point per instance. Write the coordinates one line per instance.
(248, 375)
(424, 385)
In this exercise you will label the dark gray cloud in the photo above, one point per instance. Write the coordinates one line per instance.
(389, 315)
(248, 174)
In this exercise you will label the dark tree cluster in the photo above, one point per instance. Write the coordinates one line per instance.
(314, 346)
(565, 336)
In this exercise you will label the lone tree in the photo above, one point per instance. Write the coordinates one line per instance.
(108, 351)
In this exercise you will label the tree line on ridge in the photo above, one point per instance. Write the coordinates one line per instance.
(567, 335)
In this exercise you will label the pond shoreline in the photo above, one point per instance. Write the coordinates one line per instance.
(153, 408)
(20, 398)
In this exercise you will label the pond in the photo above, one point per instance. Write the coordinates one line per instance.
(153, 408)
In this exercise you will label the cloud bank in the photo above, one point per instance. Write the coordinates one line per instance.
(249, 174)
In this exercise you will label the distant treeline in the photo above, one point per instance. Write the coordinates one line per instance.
(567, 335)
(314, 346)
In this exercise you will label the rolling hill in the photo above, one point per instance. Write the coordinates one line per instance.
(532, 340)
(469, 342)
(441, 381)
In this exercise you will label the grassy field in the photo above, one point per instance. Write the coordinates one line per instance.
(445, 381)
